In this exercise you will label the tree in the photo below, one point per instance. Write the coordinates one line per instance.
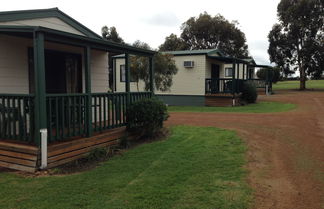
(111, 34)
(273, 74)
(164, 69)
(207, 32)
(297, 41)
(173, 43)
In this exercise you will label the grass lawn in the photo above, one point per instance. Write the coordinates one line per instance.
(196, 167)
(260, 107)
(311, 84)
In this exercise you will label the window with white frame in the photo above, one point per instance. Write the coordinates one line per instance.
(123, 75)
(228, 72)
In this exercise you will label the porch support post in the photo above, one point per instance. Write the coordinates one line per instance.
(40, 86)
(88, 113)
(233, 77)
(151, 74)
(243, 70)
(127, 78)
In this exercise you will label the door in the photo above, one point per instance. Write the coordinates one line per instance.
(214, 78)
(63, 72)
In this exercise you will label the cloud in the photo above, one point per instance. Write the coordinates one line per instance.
(165, 19)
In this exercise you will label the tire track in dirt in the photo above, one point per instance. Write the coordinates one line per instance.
(285, 150)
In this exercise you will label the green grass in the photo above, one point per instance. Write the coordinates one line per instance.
(311, 84)
(260, 107)
(196, 167)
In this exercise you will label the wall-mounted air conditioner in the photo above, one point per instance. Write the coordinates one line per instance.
(188, 64)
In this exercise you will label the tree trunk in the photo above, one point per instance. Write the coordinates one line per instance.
(302, 78)
(302, 72)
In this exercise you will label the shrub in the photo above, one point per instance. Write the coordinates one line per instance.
(249, 93)
(146, 116)
(273, 74)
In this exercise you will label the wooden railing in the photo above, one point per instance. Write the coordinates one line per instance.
(66, 114)
(222, 85)
(259, 83)
(135, 96)
(108, 110)
(17, 117)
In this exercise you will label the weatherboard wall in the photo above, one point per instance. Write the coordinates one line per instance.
(50, 22)
(14, 77)
(187, 81)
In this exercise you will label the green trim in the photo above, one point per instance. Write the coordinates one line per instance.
(77, 40)
(151, 66)
(194, 52)
(45, 13)
(40, 86)
(87, 61)
(182, 100)
(127, 76)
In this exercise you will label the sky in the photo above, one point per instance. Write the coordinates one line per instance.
(151, 21)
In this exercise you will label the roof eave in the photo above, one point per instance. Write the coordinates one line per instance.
(83, 39)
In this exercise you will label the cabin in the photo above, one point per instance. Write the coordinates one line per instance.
(55, 102)
(204, 78)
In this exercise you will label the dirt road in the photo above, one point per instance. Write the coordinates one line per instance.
(286, 150)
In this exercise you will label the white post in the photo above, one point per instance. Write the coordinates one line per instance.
(267, 89)
(43, 133)
(233, 102)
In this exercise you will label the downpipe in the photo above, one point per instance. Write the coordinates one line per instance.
(43, 133)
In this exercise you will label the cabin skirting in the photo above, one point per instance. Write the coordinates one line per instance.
(18, 156)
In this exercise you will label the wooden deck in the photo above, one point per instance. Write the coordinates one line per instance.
(221, 100)
(18, 156)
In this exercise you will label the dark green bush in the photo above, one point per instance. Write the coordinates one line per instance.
(249, 93)
(146, 116)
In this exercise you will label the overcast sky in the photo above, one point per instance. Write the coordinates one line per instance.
(152, 20)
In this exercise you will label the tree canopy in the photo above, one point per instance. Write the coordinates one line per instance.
(273, 74)
(208, 32)
(111, 34)
(297, 41)
(173, 43)
(164, 69)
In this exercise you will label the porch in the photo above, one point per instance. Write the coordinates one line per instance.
(67, 111)
(227, 91)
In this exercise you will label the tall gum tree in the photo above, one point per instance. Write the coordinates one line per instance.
(296, 42)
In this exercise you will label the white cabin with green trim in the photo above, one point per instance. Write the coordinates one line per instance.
(200, 73)
(54, 87)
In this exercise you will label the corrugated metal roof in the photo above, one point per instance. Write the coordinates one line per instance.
(194, 52)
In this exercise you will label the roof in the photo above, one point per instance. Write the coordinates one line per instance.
(250, 60)
(73, 39)
(45, 13)
(210, 53)
(195, 52)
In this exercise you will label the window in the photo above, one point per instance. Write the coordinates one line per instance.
(228, 72)
(123, 75)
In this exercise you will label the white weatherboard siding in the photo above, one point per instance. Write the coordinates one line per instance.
(49, 22)
(99, 71)
(120, 86)
(14, 65)
(189, 81)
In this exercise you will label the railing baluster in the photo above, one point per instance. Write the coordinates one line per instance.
(100, 112)
(105, 111)
(49, 118)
